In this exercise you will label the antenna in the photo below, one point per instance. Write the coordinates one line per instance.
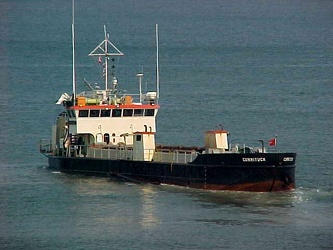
(140, 75)
(106, 58)
(73, 52)
(157, 67)
(103, 50)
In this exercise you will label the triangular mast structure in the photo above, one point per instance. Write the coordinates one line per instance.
(103, 50)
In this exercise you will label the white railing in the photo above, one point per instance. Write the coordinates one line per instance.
(45, 146)
(117, 153)
(175, 156)
(126, 153)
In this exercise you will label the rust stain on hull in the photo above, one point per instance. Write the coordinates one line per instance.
(264, 186)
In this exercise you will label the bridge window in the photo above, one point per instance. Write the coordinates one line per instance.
(105, 112)
(128, 112)
(149, 112)
(94, 113)
(116, 113)
(138, 112)
(83, 113)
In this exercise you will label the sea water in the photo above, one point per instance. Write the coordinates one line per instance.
(256, 68)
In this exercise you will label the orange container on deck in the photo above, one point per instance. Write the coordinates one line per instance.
(128, 99)
(81, 101)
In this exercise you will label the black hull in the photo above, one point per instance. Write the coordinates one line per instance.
(224, 171)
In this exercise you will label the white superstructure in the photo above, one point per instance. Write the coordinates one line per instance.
(105, 117)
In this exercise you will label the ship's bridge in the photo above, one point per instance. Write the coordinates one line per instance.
(112, 122)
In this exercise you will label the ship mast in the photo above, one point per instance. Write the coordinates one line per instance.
(106, 59)
(103, 50)
(157, 67)
(73, 54)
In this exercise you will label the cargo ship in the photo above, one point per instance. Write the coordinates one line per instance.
(108, 132)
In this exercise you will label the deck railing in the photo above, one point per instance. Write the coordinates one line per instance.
(117, 153)
(45, 146)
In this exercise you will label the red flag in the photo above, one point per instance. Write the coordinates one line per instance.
(272, 142)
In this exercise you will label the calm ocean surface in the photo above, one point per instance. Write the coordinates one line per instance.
(260, 68)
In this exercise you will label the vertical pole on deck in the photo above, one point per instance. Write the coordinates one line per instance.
(262, 146)
(73, 53)
(157, 66)
(106, 58)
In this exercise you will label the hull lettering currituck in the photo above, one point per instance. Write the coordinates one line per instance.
(260, 159)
